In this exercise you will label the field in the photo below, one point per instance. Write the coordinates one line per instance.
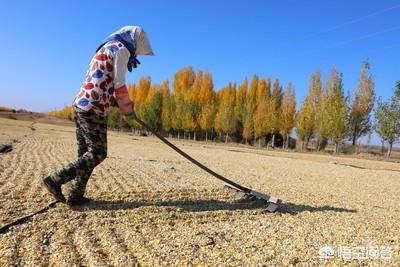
(154, 208)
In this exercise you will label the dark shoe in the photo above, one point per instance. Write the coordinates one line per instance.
(54, 189)
(78, 201)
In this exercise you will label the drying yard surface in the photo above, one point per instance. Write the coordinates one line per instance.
(154, 208)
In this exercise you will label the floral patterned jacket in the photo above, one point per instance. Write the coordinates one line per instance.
(105, 79)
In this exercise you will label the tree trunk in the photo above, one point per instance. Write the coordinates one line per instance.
(226, 138)
(336, 148)
(206, 136)
(354, 142)
(287, 141)
(259, 142)
(179, 134)
(354, 139)
(273, 141)
(389, 150)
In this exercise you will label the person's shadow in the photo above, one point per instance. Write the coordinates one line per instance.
(206, 205)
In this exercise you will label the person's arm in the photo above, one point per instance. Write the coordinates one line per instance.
(121, 92)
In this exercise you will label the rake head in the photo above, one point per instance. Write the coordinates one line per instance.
(272, 203)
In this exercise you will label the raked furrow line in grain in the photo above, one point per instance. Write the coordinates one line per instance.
(63, 250)
(34, 252)
(87, 245)
(115, 247)
(9, 248)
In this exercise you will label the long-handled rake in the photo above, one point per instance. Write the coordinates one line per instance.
(271, 202)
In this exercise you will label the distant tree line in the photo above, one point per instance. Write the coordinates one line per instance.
(261, 111)
(65, 113)
(327, 114)
(251, 112)
(387, 117)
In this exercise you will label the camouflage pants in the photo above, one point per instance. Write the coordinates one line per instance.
(91, 135)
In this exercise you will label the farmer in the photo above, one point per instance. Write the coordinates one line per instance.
(105, 81)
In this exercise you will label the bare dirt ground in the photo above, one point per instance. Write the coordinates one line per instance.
(154, 208)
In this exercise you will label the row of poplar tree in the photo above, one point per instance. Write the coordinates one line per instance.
(327, 114)
(262, 111)
(253, 111)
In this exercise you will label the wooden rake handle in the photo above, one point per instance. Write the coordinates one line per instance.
(216, 175)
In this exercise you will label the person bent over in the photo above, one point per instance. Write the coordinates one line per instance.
(104, 83)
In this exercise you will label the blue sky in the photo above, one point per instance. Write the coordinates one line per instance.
(47, 45)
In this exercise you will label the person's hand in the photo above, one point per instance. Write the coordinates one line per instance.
(131, 116)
